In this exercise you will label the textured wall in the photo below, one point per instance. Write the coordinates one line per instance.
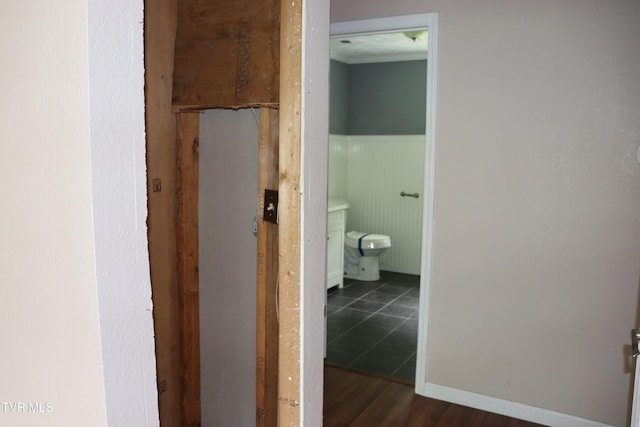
(379, 169)
(51, 351)
(370, 172)
(77, 334)
(119, 184)
(337, 169)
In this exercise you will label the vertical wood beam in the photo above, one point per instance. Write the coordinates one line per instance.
(159, 40)
(289, 214)
(266, 319)
(188, 281)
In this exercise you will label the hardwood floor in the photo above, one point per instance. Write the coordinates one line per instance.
(356, 399)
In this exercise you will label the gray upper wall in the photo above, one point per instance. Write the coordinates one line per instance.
(386, 98)
(338, 98)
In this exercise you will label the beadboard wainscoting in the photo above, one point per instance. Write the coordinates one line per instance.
(370, 172)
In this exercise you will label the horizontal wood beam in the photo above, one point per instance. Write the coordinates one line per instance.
(226, 53)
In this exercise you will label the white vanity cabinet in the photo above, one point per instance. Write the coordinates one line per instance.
(336, 221)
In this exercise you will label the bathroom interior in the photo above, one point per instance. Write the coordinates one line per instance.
(376, 196)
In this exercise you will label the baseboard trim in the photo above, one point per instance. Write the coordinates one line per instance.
(504, 407)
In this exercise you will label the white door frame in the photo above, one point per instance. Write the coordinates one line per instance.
(635, 394)
(635, 411)
(427, 21)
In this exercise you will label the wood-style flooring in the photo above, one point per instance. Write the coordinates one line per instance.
(357, 399)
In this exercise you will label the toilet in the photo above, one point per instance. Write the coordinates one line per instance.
(361, 252)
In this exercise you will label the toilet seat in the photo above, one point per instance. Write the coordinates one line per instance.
(359, 240)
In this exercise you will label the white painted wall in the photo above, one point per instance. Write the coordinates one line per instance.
(228, 203)
(73, 185)
(313, 180)
(118, 166)
(537, 233)
(370, 172)
(337, 168)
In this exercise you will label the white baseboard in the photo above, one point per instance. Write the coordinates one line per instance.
(398, 269)
(504, 407)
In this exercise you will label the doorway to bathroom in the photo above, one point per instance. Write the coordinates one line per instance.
(382, 95)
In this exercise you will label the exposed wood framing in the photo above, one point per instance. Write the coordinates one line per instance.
(206, 54)
(266, 316)
(188, 282)
(160, 28)
(226, 53)
(289, 213)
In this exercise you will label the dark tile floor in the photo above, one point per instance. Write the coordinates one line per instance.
(373, 326)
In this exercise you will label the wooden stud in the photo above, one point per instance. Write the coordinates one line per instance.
(188, 282)
(266, 319)
(290, 194)
(159, 29)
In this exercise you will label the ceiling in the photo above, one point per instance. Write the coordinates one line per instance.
(386, 47)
